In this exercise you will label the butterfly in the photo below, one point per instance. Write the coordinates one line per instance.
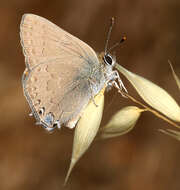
(62, 73)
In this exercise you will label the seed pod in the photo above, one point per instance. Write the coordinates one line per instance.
(153, 95)
(86, 129)
(121, 122)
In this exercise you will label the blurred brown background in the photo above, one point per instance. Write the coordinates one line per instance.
(143, 159)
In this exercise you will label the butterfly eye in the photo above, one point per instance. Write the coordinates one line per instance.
(108, 59)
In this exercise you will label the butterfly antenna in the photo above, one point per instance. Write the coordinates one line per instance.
(117, 44)
(109, 34)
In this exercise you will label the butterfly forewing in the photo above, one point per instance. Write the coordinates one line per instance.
(42, 40)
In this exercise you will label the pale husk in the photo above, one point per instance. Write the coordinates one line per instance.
(121, 123)
(152, 94)
(86, 129)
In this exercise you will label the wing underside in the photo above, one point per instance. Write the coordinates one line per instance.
(58, 67)
(56, 91)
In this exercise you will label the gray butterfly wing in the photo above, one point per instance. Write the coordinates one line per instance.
(56, 80)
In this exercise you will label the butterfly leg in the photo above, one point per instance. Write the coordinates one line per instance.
(112, 81)
(119, 84)
(122, 87)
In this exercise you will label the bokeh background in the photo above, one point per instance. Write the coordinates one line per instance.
(143, 159)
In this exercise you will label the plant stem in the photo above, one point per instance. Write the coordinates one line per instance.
(151, 110)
